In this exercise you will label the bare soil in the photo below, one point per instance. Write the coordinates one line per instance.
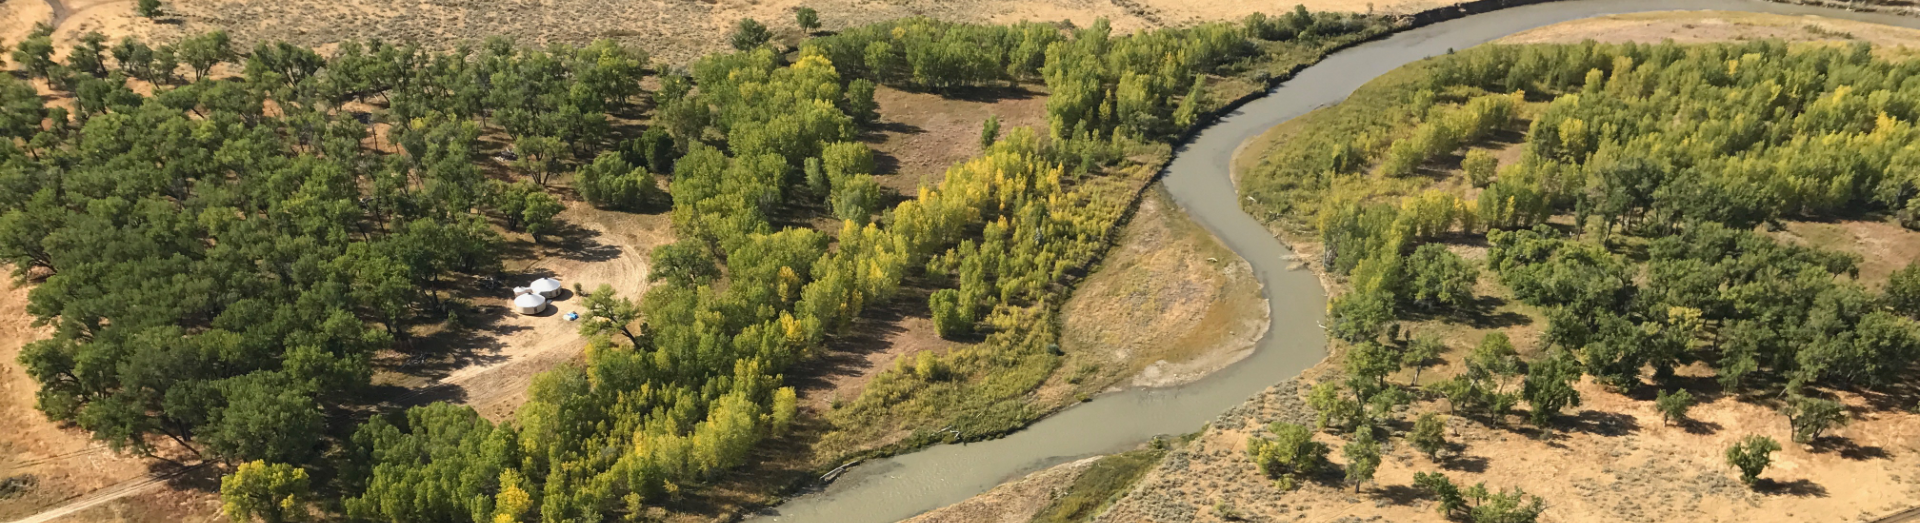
(1169, 305)
(922, 134)
(1716, 26)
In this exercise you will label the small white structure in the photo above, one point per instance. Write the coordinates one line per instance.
(546, 287)
(529, 303)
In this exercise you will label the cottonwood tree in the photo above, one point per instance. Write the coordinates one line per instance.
(1363, 457)
(272, 493)
(607, 313)
(1420, 354)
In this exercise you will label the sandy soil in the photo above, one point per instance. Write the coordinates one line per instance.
(1168, 306)
(1716, 26)
(1614, 461)
(1012, 502)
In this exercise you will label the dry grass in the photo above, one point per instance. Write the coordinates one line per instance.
(1883, 247)
(1169, 305)
(1688, 27)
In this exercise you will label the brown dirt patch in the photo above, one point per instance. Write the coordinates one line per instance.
(922, 134)
(1883, 247)
(1170, 304)
(1688, 27)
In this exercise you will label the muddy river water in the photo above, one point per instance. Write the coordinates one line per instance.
(896, 488)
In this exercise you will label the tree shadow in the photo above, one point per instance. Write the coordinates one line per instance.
(580, 244)
(989, 94)
(1483, 312)
(1799, 488)
(1465, 463)
(885, 163)
(1846, 448)
(1601, 423)
(1402, 495)
(1698, 427)
(898, 128)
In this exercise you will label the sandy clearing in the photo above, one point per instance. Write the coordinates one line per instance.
(1715, 26)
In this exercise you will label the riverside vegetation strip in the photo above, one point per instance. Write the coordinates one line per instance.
(221, 257)
(1586, 272)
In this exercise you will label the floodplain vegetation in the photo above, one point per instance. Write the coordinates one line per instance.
(1622, 194)
(221, 238)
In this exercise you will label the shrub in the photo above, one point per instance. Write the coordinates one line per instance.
(749, 34)
(1479, 166)
(1674, 406)
(1752, 455)
(1290, 456)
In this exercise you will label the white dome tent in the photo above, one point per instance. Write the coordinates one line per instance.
(546, 287)
(529, 303)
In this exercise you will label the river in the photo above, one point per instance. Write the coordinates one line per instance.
(900, 487)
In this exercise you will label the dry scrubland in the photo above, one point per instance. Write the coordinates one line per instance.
(676, 31)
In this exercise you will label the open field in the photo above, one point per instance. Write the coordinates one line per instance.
(1688, 27)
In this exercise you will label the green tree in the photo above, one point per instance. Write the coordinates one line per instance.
(1548, 387)
(989, 132)
(952, 317)
(749, 34)
(1479, 166)
(1363, 457)
(683, 264)
(1438, 278)
(1292, 455)
(808, 19)
(856, 198)
(539, 156)
(1332, 407)
(1811, 417)
(607, 313)
(35, 53)
(273, 493)
(610, 182)
(1429, 435)
(860, 103)
(1752, 455)
(1506, 506)
(1420, 354)
(1451, 500)
(267, 416)
(149, 8)
(1903, 290)
(1370, 362)
(1673, 407)
(538, 216)
(203, 51)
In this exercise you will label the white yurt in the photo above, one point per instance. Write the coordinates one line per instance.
(529, 303)
(546, 287)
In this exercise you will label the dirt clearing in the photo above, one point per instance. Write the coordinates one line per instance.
(1169, 305)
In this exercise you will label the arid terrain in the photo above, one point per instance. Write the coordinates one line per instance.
(676, 31)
